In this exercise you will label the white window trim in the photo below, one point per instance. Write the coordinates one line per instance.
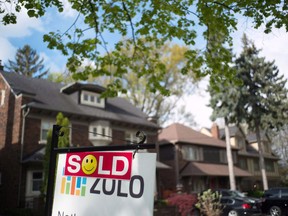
(51, 123)
(100, 104)
(2, 97)
(29, 183)
(100, 125)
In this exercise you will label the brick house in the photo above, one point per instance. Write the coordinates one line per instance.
(198, 161)
(248, 155)
(28, 108)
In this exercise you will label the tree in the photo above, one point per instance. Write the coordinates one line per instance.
(156, 21)
(154, 103)
(263, 95)
(27, 63)
(59, 77)
(63, 141)
(223, 101)
(260, 100)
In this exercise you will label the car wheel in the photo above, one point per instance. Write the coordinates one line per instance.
(232, 213)
(275, 211)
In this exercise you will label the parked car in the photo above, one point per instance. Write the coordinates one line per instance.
(236, 193)
(236, 206)
(275, 201)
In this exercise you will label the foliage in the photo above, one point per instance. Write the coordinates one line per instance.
(27, 63)
(184, 202)
(209, 203)
(155, 21)
(63, 141)
(154, 103)
(59, 77)
(255, 193)
(260, 100)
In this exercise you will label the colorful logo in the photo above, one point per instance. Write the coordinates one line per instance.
(73, 185)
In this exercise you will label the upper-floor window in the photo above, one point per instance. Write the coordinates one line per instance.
(192, 153)
(130, 136)
(256, 164)
(269, 166)
(241, 143)
(92, 98)
(223, 156)
(46, 125)
(243, 163)
(100, 132)
(2, 97)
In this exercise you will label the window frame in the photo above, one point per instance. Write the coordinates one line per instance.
(196, 151)
(86, 99)
(30, 182)
(48, 122)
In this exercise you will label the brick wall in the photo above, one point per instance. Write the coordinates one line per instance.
(10, 114)
(3, 111)
(80, 135)
(32, 135)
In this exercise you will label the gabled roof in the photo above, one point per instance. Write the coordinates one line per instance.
(47, 95)
(178, 133)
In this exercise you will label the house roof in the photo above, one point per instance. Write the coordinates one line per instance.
(47, 95)
(232, 131)
(207, 169)
(178, 133)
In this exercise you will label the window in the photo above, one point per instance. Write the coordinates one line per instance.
(241, 143)
(192, 153)
(256, 165)
(131, 137)
(243, 164)
(223, 156)
(2, 97)
(46, 125)
(100, 132)
(34, 182)
(269, 166)
(37, 178)
(92, 98)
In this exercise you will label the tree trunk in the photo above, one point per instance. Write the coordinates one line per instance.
(229, 157)
(261, 159)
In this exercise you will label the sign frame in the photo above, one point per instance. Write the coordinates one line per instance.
(55, 151)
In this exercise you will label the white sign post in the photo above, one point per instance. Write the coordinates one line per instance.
(94, 196)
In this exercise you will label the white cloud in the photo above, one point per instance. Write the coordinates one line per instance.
(7, 50)
(23, 28)
(68, 10)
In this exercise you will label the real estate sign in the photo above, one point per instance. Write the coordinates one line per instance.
(104, 184)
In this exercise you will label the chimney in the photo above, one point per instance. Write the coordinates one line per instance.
(1, 66)
(215, 131)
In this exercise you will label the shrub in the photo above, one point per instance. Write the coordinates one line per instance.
(209, 203)
(183, 201)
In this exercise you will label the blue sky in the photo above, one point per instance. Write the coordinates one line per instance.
(31, 31)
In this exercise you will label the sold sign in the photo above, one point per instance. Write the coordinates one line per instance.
(112, 165)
